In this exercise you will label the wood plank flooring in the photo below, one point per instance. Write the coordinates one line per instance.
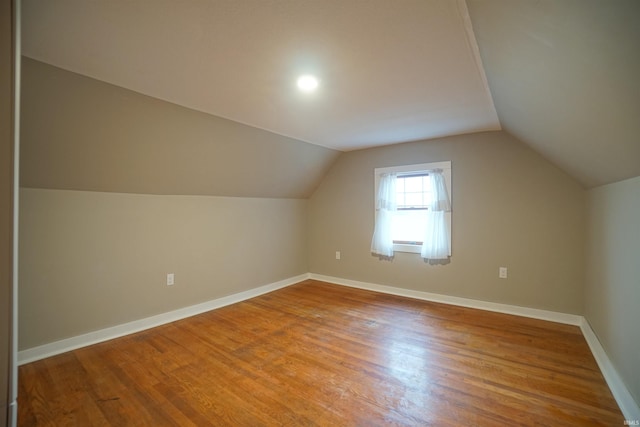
(326, 355)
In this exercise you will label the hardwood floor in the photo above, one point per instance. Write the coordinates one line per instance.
(322, 354)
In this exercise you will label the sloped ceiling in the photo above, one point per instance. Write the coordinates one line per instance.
(563, 74)
(79, 133)
(389, 71)
(565, 79)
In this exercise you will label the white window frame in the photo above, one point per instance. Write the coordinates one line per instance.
(417, 168)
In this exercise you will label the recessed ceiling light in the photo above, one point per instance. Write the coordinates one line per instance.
(307, 83)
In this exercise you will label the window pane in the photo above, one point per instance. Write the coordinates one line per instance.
(409, 226)
(413, 184)
(413, 199)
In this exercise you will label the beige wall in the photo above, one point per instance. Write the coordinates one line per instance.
(153, 174)
(511, 208)
(91, 260)
(83, 134)
(612, 301)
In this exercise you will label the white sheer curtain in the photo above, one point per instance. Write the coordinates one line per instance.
(382, 241)
(435, 244)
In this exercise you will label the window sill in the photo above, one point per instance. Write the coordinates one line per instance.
(408, 248)
(403, 247)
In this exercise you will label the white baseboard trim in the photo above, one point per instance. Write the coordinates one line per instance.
(628, 405)
(553, 316)
(68, 344)
(623, 397)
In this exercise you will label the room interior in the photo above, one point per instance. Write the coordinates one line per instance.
(168, 139)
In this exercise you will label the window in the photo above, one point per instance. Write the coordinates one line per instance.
(404, 222)
(413, 197)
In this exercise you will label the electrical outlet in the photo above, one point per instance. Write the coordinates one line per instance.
(337, 254)
(170, 279)
(502, 273)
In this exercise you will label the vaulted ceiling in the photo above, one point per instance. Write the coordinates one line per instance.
(565, 79)
(563, 74)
